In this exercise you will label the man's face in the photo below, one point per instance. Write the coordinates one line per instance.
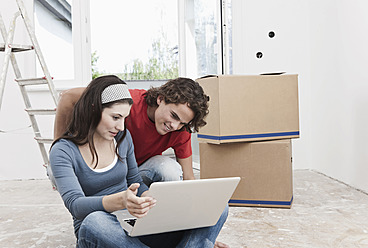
(171, 117)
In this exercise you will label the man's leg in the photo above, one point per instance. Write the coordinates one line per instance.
(160, 168)
(204, 237)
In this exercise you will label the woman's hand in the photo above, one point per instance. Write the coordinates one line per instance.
(138, 206)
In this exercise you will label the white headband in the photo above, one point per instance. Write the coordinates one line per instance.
(115, 92)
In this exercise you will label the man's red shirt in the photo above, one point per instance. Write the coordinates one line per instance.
(147, 141)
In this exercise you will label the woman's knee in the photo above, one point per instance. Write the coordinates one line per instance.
(94, 222)
(100, 229)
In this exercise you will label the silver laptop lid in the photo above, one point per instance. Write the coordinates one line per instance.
(185, 205)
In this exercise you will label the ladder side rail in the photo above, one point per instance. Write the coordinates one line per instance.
(2, 78)
(28, 105)
(10, 55)
(8, 51)
(41, 145)
(34, 41)
(32, 117)
(3, 29)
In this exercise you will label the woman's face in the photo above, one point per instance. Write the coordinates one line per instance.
(112, 121)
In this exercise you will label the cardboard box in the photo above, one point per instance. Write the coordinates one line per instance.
(250, 108)
(265, 168)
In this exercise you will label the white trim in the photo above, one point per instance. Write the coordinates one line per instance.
(81, 42)
(187, 58)
(79, 69)
(181, 39)
(220, 34)
(225, 60)
(81, 47)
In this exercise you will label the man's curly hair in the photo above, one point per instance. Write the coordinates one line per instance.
(182, 91)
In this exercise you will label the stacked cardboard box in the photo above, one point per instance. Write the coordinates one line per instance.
(248, 132)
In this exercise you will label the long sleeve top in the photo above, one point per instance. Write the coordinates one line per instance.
(82, 188)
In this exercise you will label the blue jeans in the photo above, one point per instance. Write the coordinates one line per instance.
(160, 168)
(102, 229)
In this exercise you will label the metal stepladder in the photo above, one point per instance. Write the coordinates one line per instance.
(9, 49)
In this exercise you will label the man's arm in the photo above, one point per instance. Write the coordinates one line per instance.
(64, 111)
(187, 167)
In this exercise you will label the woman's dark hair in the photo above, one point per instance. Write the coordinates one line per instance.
(182, 91)
(87, 114)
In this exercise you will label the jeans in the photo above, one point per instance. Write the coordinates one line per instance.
(160, 168)
(102, 229)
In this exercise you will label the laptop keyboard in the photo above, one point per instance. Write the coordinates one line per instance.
(130, 221)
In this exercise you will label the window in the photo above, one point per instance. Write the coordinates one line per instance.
(62, 30)
(141, 40)
(205, 42)
(135, 39)
(53, 25)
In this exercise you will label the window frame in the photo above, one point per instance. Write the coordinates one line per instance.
(223, 58)
(81, 47)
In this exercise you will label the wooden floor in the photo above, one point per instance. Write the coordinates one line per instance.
(325, 213)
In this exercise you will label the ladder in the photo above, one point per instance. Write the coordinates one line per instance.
(9, 49)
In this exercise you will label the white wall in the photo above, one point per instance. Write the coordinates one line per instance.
(20, 157)
(326, 44)
(339, 60)
(19, 153)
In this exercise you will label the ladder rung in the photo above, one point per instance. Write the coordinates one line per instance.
(41, 111)
(44, 140)
(17, 48)
(31, 81)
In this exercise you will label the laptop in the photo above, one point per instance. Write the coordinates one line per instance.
(181, 205)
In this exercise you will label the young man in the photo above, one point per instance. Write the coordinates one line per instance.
(160, 118)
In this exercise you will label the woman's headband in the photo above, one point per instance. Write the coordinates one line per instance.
(115, 92)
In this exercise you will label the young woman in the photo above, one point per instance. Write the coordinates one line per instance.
(96, 173)
(162, 117)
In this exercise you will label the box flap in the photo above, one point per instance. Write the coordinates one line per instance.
(207, 76)
(272, 73)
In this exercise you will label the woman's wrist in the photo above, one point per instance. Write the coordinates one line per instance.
(114, 202)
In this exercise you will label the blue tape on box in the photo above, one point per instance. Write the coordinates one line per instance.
(259, 202)
(248, 136)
